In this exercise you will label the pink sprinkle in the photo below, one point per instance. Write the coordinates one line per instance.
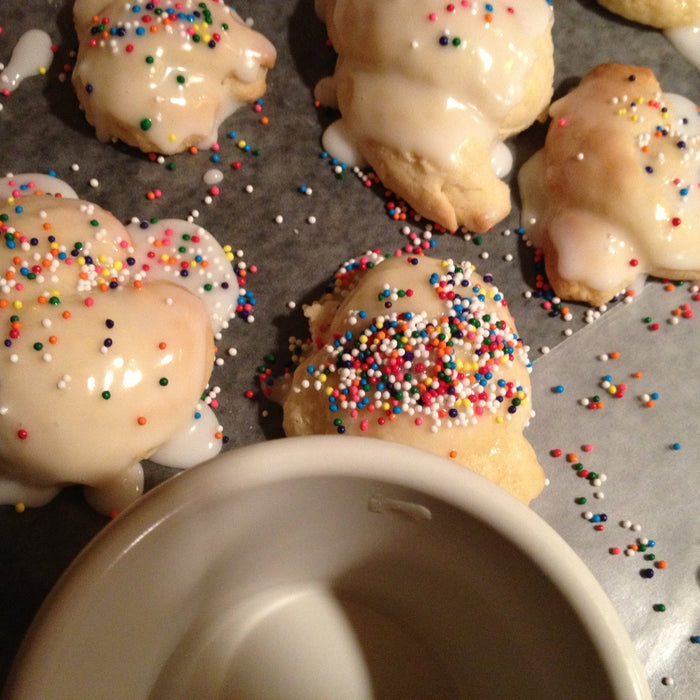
(561, 122)
(89, 301)
(588, 447)
(364, 425)
(615, 550)
(432, 17)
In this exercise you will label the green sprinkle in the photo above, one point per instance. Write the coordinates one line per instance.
(660, 607)
(163, 381)
(106, 395)
(38, 346)
(146, 124)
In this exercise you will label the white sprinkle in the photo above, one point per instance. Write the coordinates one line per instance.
(545, 349)
(291, 305)
(75, 167)
(94, 182)
(311, 219)
(627, 524)
(249, 188)
(232, 352)
(279, 219)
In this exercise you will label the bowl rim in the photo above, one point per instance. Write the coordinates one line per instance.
(283, 459)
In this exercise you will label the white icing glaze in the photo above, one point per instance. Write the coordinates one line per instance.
(687, 41)
(31, 56)
(621, 197)
(104, 361)
(195, 444)
(185, 66)
(178, 251)
(416, 94)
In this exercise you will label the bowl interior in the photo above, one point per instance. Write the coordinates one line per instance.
(294, 571)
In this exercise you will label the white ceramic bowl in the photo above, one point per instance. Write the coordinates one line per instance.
(327, 567)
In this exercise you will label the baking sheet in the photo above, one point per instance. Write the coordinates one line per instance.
(293, 241)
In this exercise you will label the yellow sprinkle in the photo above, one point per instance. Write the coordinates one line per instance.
(329, 390)
(323, 378)
(172, 137)
(42, 70)
(499, 419)
(17, 304)
(622, 111)
(363, 338)
(19, 507)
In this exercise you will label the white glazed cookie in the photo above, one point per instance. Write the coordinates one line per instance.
(423, 352)
(429, 91)
(662, 14)
(163, 76)
(105, 354)
(614, 194)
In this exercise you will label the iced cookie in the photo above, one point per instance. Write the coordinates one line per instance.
(162, 76)
(613, 195)
(680, 20)
(106, 350)
(423, 352)
(656, 13)
(429, 92)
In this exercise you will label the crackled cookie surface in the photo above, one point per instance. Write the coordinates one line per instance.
(423, 352)
(614, 194)
(429, 91)
(162, 76)
(105, 354)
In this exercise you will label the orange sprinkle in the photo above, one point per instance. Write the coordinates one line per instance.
(453, 454)
(141, 420)
(53, 340)
(162, 345)
(649, 404)
(42, 300)
(661, 564)
(572, 457)
(3, 303)
(66, 314)
(138, 284)
(638, 375)
(47, 226)
(614, 355)
(488, 17)
(194, 150)
(264, 121)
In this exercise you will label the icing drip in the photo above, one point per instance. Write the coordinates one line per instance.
(32, 55)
